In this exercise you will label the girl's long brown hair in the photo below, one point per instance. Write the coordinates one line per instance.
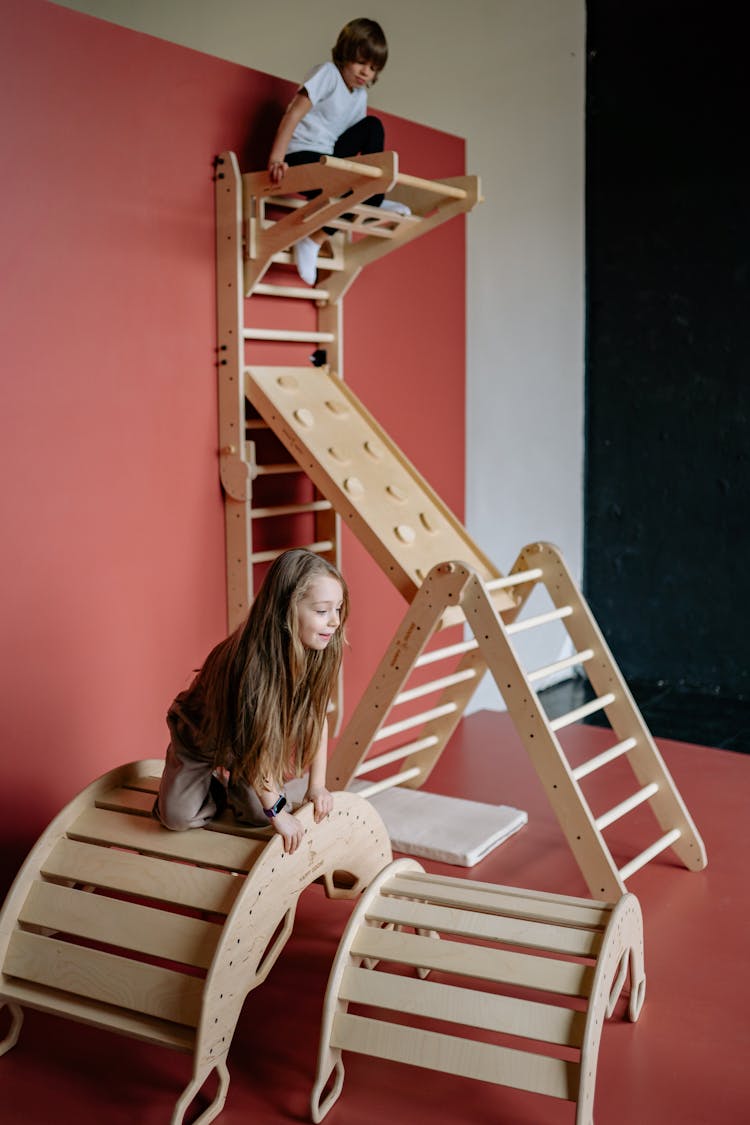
(262, 694)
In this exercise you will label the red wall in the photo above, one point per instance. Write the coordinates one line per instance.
(112, 565)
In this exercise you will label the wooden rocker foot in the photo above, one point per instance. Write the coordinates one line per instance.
(190, 1092)
(320, 1101)
(16, 1019)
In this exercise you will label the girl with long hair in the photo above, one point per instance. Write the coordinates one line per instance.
(255, 714)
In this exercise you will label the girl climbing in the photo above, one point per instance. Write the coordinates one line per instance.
(255, 714)
(328, 116)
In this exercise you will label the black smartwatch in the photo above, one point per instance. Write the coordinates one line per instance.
(276, 809)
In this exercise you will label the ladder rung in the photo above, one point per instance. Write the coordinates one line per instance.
(415, 720)
(435, 685)
(285, 258)
(626, 806)
(277, 469)
(405, 751)
(430, 185)
(389, 782)
(288, 335)
(255, 424)
(560, 665)
(369, 170)
(656, 849)
(581, 712)
(443, 653)
(291, 509)
(604, 759)
(516, 579)
(297, 292)
(540, 619)
(269, 556)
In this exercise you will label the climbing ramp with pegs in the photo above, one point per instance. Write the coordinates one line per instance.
(493, 983)
(116, 922)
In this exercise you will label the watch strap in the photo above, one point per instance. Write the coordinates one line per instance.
(276, 808)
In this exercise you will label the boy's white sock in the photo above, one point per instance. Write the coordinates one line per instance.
(395, 206)
(306, 259)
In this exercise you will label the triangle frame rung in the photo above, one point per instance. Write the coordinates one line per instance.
(582, 712)
(650, 853)
(617, 812)
(604, 758)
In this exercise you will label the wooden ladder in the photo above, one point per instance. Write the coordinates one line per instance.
(270, 504)
(493, 646)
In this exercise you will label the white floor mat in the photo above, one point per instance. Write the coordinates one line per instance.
(448, 829)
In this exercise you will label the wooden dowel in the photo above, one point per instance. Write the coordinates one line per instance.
(435, 685)
(604, 758)
(517, 579)
(297, 292)
(415, 720)
(582, 712)
(626, 806)
(342, 165)
(540, 619)
(560, 665)
(291, 509)
(269, 556)
(287, 335)
(389, 782)
(443, 653)
(409, 748)
(656, 849)
(277, 468)
(430, 185)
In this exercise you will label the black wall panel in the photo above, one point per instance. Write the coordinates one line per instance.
(667, 558)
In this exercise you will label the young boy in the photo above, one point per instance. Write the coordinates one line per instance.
(328, 116)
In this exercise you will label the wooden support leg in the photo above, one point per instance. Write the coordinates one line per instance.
(16, 1019)
(193, 1088)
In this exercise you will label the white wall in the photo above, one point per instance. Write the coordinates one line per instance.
(508, 75)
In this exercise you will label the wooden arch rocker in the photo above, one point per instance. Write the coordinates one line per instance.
(193, 921)
(523, 980)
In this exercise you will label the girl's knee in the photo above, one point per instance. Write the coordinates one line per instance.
(170, 818)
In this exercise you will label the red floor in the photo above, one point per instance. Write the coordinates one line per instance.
(686, 1061)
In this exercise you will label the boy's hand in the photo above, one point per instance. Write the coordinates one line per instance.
(277, 169)
(290, 829)
(322, 802)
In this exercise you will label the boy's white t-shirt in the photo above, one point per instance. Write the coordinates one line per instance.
(334, 109)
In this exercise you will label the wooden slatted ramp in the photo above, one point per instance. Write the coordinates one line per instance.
(117, 922)
(492, 983)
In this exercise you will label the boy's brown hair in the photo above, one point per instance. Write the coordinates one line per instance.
(362, 40)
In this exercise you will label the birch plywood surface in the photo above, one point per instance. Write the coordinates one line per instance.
(389, 506)
(117, 922)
